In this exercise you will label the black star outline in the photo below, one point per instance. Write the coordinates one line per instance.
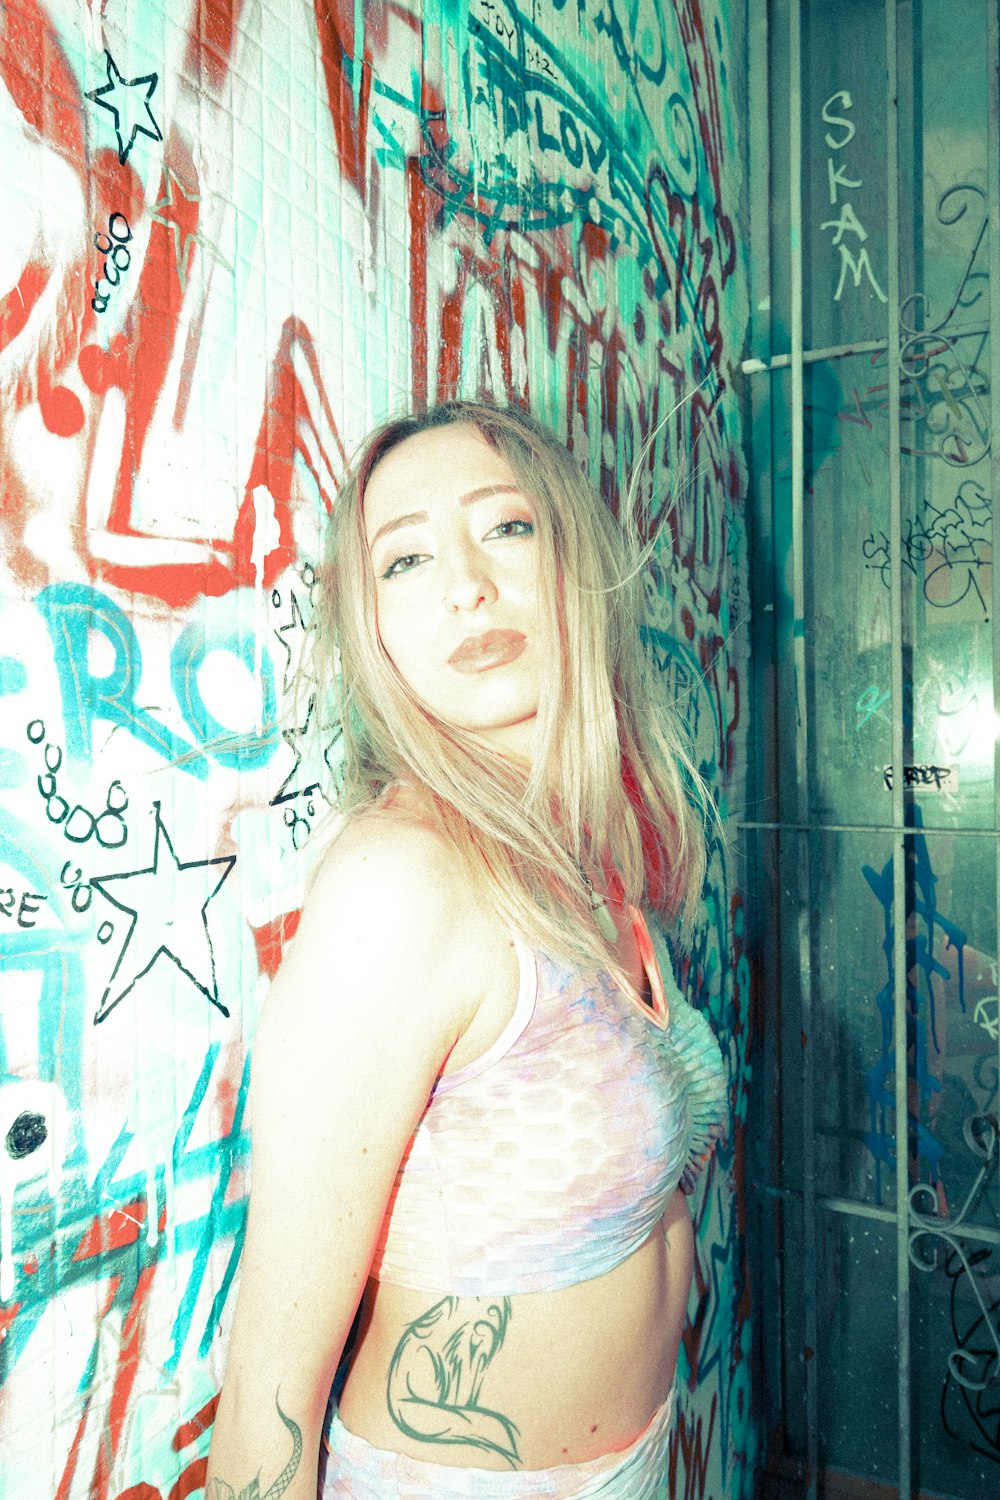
(304, 745)
(115, 80)
(285, 635)
(114, 996)
(194, 237)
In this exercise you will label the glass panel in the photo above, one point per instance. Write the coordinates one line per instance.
(773, 618)
(837, 984)
(846, 524)
(843, 176)
(857, 1346)
(947, 518)
(775, 1145)
(955, 975)
(855, 1117)
(952, 1064)
(957, 1428)
(778, 1110)
(781, 92)
(782, 1219)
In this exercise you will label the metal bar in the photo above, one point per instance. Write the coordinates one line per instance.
(889, 828)
(837, 1205)
(853, 1209)
(841, 351)
(768, 1264)
(799, 670)
(810, 356)
(993, 180)
(758, 49)
(898, 808)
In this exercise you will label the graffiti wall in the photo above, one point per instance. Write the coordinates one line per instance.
(233, 236)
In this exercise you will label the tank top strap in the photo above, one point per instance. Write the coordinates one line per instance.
(524, 1009)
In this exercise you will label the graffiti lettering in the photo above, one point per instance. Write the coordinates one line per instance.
(928, 778)
(504, 29)
(951, 549)
(81, 894)
(870, 704)
(26, 905)
(298, 825)
(73, 612)
(117, 258)
(987, 1015)
(847, 221)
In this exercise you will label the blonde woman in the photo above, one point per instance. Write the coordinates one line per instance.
(477, 1096)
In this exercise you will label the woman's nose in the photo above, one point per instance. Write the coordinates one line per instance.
(469, 584)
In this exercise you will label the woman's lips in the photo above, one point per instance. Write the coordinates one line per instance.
(494, 648)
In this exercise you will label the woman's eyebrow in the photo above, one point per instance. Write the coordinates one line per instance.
(484, 491)
(415, 517)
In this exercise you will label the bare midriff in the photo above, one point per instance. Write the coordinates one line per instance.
(529, 1381)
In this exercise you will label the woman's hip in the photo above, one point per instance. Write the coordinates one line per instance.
(353, 1469)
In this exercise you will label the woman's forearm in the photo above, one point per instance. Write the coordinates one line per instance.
(248, 1461)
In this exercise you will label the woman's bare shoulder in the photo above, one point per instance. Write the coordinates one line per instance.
(390, 917)
(394, 854)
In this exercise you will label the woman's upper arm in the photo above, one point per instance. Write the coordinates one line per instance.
(365, 1008)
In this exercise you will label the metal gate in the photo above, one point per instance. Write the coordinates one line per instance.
(872, 829)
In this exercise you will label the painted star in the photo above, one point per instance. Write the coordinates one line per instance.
(167, 903)
(179, 210)
(131, 111)
(313, 770)
(290, 637)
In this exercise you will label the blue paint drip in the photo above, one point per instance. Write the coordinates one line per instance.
(922, 958)
(209, 1235)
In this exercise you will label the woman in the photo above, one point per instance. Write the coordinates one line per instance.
(474, 1096)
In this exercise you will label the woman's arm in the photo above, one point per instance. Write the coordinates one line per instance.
(371, 997)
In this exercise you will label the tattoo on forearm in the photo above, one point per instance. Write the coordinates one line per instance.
(437, 1372)
(220, 1490)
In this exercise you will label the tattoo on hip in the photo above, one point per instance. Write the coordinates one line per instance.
(436, 1376)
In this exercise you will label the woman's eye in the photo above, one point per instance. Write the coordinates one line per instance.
(402, 565)
(513, 528)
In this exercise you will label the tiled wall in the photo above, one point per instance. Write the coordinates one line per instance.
(232, 236)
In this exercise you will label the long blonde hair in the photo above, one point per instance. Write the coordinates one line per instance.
(611, 782)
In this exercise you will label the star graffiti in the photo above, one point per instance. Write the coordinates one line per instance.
(178, 210)
(127, 100)
(314, 770)
(168, 905)
(290, 637)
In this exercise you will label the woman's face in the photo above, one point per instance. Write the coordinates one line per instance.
(455, 553)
